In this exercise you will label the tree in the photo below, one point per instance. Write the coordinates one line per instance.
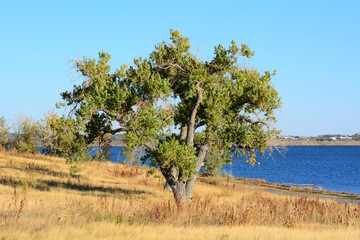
(4, 133)
(28, 135)
(62, 138)
(177, 107)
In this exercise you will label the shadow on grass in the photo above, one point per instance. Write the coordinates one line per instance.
(46, 185)
(38, 169)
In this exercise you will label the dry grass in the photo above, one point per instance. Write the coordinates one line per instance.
(103, 230)
(40, 200)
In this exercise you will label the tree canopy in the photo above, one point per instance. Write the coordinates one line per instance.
(176, 106)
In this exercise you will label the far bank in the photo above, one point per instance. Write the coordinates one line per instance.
(289, 143)
(316, 143)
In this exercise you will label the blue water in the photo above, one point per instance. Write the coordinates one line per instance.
(333, 168)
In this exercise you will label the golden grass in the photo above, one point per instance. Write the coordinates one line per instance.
(103, 230)
(40, 200)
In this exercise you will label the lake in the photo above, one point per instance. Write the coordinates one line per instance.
(334, 168)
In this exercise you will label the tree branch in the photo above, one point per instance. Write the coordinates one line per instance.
(201, 157)
(199, 163)
(170, 65)
(151, 145)
(240, 145)
(199, 124)
(249, 120)
(118, 117)
(191, 125)
(183, 132)
(121, 129)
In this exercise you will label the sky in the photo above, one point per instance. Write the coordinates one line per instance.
(313, 45)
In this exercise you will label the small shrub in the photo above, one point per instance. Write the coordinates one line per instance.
(74, 169)
(214, 182)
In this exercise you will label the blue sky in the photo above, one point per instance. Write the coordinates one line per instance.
(313, 45)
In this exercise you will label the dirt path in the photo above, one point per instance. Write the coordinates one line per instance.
(303, 194)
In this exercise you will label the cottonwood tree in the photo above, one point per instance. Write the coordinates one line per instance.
(177, 106)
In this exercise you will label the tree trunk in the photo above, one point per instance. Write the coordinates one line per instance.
(182, 191)
(178, 186)
(167, 187)
(182, 197)
(199, 163)
(181, 188)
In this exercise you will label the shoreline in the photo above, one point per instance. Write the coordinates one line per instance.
(288, 143)
(315, 143)
(273, 188)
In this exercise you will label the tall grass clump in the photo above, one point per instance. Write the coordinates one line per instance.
(12, 213)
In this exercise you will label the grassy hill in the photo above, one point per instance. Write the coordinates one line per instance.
(39, 199)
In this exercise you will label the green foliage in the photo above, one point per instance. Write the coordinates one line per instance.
(29, 136)
(4, 132)
(133, 156)
(174, 153)
(151, 172)
(74, 169)
(215, 159)
(64, 138)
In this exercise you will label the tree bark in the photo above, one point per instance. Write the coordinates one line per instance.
(191, 124)
(167, 186)
(183, 132)
(180, 194)
(178, 187)
(199, 163)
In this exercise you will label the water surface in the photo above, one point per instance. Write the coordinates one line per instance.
(334, 168)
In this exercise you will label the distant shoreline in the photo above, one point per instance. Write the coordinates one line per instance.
(289, 143)
(118, 144)
(316, 143)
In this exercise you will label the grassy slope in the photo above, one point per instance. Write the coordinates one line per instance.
(39, 200)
